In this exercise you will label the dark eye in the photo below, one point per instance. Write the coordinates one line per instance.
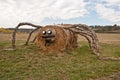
(49, 32)
(43, 32)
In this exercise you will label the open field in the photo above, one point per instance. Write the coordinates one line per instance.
(28, 63)
(103, 38)
(106, 38)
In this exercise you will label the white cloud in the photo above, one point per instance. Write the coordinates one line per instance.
(109, 10)
(114, 2)
(14, 11)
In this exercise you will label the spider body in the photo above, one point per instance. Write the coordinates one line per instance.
(55, 38)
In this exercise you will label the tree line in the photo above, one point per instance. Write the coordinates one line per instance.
(107, 28)
(97, 28)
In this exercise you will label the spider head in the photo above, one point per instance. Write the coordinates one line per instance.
(48, 36)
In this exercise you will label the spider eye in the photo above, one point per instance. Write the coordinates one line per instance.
(43, 32)
(49, 32)
(77, 27)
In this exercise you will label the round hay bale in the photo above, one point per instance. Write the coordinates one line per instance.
(54, 38)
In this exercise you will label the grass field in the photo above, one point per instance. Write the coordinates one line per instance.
(29, 63)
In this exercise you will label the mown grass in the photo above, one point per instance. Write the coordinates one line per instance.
(29, 63)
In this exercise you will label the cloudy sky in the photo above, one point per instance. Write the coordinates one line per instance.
(43, 12)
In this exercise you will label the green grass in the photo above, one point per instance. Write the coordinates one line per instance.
(28, 63)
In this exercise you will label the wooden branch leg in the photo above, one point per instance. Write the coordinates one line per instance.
(14, 32)
(34, 39)
(30, 36)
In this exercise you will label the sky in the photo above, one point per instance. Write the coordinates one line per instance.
(46, 12)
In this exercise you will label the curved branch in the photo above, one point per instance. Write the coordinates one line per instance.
(89, 34)
(90, 40)
(14, 32)
(30, 35)
(34, 39)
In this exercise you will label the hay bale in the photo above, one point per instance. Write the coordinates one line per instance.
(54, 38)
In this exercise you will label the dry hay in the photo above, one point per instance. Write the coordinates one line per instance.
(60, 39)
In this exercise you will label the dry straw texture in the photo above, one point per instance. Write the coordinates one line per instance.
(64, 39)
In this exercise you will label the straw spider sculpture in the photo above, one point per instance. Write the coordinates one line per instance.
(54, 38)
(60, 37)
